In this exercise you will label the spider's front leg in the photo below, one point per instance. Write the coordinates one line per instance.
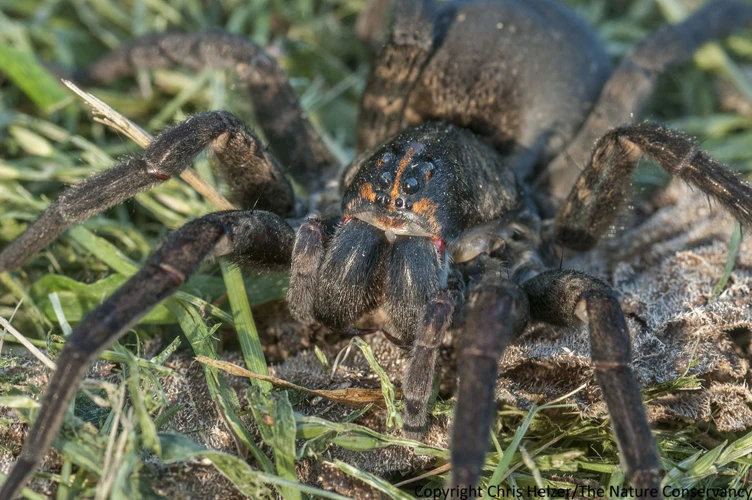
(417, 386)
(570, 298)
(254, 175)
(496, 312)
(603, 187)
(260, 238)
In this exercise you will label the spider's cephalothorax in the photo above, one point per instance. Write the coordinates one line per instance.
(474, 122)
(401, 207)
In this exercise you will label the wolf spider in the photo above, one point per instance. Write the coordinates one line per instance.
(474, 120)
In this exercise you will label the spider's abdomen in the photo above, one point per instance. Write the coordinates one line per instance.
(435, 180)
(521, 74)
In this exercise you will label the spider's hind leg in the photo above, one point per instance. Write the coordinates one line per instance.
(254, 175)
(627, 91)
(260, 238)
(395, 70)
(292, 136)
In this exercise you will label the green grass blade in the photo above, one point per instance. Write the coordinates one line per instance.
(503, 466)
(199, 336)
(148, 429)
(78, 299)
(31, 77)
(274, 416)
(742, 447)
(311, 427)
(733, 252)
(387, 388)
(103, 250)
(372, 480)
(179, 448)
(248, 336)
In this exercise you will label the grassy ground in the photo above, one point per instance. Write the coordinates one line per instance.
(47, 139)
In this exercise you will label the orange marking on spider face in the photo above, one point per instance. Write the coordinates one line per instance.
(403, 164)
(367, 192)
(427, 209)
(351, 206)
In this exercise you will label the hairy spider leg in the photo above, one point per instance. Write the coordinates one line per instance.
(603, 186)
(254, 175)
(496, 312)
(417, 384)
(568, 298)
(291, 135)
(395, 70)
(624, 96)
(371, 22)
(259, 237)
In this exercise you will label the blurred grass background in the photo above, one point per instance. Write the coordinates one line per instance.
(48, 140)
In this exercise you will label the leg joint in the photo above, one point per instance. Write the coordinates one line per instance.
(607, 366)
(690, 157)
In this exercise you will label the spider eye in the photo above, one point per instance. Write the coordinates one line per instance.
(385, 179)
(386, 159)
(411, 185)
(427, 169)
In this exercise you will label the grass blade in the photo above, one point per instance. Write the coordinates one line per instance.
(31, 77)
(733, 252)
(179, 448)
(277, 426)
(250, 344)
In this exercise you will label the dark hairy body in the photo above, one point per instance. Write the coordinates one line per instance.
(475, 122)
